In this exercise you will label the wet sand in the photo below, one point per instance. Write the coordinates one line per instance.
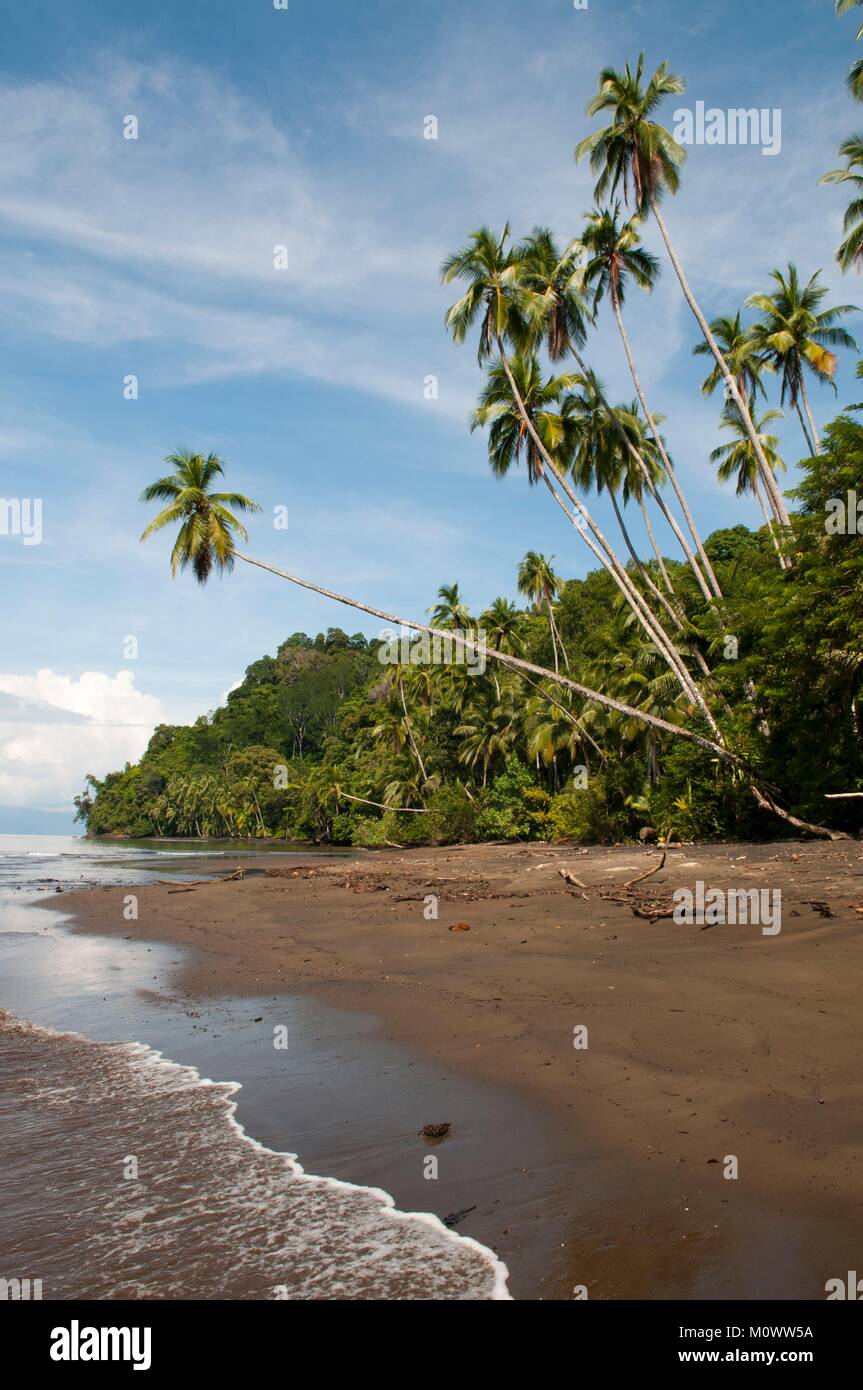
(703, 1044)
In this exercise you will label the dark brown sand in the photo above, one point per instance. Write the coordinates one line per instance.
(703, 1044)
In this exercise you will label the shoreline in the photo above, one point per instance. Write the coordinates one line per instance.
(698, 1046)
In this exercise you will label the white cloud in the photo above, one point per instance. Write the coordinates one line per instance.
(54, 729)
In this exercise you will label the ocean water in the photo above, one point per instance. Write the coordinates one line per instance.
(128, 1174)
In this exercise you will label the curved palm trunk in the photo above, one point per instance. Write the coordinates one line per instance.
(667, 464)
(627, 540)
(656, 550)
(816, 441)
(723, 753)
(410, 731)
(776, 500)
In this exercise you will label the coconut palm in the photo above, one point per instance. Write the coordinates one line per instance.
(509, 437)
(742, 353)
(539, 583)
(208, 527)
(635, 152)
(737, 460)
(850, 252)
(795, 336)
(614, 256)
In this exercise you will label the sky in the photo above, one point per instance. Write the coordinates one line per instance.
(304, 128)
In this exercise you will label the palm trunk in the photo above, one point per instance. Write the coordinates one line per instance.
(553, 634)
(809, 445)
(776, 500)
(719, 750)
(672, 476)
(655, 548)
(816, 441)
(627, 540)
(410, 730)
(768, 519)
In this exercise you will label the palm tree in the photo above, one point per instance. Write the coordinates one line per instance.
(206, 536)
(509, 436)
(795, 337)
(850, 252)
(855, 72)
(737, 459)
(539, 583)
(488, 731)
(740, 350)
(450, 611)
(614, 256)
(635, 152)
(502, 624)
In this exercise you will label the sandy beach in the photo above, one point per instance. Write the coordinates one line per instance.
(704, 1044)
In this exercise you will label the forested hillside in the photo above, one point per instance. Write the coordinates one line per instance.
(319, 731)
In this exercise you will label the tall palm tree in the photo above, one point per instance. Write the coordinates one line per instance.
(615, 256)
(849, 255)
(539, 583)
(636, 152)
(207, 525)
(795, 336)
(737, 460)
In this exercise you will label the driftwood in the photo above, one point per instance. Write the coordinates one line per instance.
(571, 878)
(653, 913)
(650, 872)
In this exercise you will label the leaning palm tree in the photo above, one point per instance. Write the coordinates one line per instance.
(207, 525)
(795, 336)
(849, 255)
(614, 256)
(539, 583)
(737, 460)
(211, 542)
(636, 152)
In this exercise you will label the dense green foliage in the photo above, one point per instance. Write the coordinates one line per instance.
(496, 756)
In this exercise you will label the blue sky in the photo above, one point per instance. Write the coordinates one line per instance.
(154, 257)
